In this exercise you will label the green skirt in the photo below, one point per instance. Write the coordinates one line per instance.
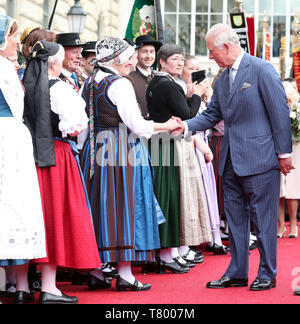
(167, 187)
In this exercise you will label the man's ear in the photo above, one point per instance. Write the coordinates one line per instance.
(227, 47)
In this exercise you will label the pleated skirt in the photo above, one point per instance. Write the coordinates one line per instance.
(125, 211)
(70, 236)
(165, 161)
(22, 230)
(209, 182)
(195, 226)
(215, 146)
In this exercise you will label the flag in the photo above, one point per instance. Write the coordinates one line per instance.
(296, 60)
(145, 19)
(251, 34)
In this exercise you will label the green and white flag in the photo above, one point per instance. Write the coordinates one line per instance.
(145, 19)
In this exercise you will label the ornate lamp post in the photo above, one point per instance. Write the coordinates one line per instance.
(76, 18)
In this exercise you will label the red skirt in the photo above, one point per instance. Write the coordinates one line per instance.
(70, 237)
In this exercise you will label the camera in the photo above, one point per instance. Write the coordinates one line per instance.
(198, 76)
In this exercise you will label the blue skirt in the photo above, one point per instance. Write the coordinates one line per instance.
(125, 211)
(10, 263)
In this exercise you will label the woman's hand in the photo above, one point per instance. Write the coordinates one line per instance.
(203, 148)
(75, 134)
(201, 88)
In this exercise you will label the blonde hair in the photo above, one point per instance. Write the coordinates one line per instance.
(292, 94)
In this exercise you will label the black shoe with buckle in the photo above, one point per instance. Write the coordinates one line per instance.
(123, 285)
(173, 267)
(185, 263)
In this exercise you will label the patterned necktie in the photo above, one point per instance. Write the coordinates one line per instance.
(74, 77)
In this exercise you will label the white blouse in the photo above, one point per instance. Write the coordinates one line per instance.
(70, 107)
(122, 94)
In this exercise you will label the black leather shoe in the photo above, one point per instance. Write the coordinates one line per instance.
(227, 282)
(198, 258)
(184, 265)
(172, 266)
(297, 291)
(22, 297)
(109, 271)
(217, 249)
(262, 284)
(95, 283)
(123, 285)
(50, 299)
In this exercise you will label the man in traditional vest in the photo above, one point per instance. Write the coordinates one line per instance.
(147, 49)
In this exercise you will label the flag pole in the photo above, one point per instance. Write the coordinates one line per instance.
(52, 16)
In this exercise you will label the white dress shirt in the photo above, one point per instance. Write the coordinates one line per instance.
(122, 95)
(69, 106)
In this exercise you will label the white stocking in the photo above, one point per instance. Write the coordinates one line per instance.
(49, 279)
(22, 277)
(124, 269)
(217, 236)
(166, 255)
(183, 250)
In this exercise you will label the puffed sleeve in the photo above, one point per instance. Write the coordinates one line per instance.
(122, 94)
(70, 107)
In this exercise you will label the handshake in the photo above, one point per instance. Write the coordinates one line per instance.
(175, 126)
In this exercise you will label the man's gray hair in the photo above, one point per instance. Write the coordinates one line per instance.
(223, 34)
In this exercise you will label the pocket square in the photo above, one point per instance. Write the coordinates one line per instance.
(246, 85)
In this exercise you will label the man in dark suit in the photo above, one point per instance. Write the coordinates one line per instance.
(257, 143)
(147, 49)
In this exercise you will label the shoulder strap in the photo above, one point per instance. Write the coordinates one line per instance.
(53, 82)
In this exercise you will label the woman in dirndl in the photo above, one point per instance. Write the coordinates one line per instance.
(116, 165)
(178, 183)
(201, 141)
(22, 232)
(54, 111)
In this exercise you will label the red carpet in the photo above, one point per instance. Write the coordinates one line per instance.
(191, 288)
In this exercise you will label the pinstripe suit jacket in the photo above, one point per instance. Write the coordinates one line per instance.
(256, 117)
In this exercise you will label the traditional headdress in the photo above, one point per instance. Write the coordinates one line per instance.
(37, 110)
(27, 31)
(6, 23)
(111, 48)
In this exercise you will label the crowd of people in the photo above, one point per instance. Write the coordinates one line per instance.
(99, 169)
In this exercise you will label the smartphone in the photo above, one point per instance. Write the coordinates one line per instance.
(198, 76)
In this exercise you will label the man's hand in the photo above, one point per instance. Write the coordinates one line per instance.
(286, 165)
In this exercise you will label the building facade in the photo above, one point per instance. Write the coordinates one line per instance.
(103, 16)
(187, 21)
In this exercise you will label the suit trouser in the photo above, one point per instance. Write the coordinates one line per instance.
(255, 197)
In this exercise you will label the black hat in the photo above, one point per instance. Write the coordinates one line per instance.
(89, 47)
(44, 49)
(131, 43)
(147, 40)
(69, 39)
